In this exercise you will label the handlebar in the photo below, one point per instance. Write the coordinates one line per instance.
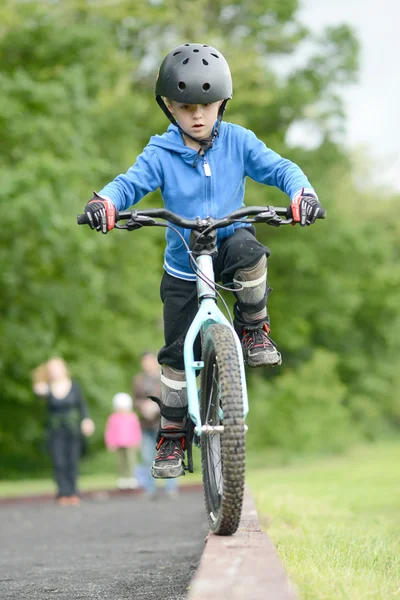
(272, 215)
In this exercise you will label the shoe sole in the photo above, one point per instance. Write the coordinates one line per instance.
(253, 363)
(167, 472)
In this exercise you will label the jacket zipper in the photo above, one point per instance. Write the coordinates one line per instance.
(206, 167)
(207, 173)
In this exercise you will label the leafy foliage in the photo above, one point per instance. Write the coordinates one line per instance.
(76, 108)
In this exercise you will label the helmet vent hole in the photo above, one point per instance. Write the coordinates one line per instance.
(205, 46)
(185, 62)
(196, 50)
(187, 44)
(216, 55)
(182, 85)
(205, 62)
(206, 87)
(175, 53)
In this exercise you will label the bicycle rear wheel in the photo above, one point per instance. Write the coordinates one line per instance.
(222, 454)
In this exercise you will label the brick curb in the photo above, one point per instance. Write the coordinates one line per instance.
(245, 565)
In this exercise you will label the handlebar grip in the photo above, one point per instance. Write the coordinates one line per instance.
(322, 213)
(82, 219)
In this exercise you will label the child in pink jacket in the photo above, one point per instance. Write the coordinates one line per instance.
(124, 435)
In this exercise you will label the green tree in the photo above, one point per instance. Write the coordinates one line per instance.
(77, 107)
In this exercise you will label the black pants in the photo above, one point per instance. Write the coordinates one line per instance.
(65, 451)
(239, 251)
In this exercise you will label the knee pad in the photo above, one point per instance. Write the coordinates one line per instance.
(174, 402)
(173, 388)
(251, 286)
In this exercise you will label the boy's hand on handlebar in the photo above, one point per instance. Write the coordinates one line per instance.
(100, 213)
(305, 208)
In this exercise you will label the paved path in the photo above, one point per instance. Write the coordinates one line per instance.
(115, 549)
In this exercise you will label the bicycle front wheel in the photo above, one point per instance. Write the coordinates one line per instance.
(222, 454)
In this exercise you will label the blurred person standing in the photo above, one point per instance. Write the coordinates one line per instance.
(123, 435)
(68, 421)
(144, 384)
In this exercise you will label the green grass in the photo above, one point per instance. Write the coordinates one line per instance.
(87, 483)
(336, 522)
(98, 472)
(27, 487)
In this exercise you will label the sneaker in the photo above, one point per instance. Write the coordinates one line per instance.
(171, 494)
(258, 348)
(122, 483)
(151, 496)
(74, 500)
(169, 459)
(63, 501)
(132, 483)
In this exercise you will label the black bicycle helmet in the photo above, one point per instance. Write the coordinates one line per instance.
(194, 74)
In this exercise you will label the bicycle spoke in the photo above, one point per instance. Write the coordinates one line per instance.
(216, 453)
(217, 467)
(218, 387)
(211, 395)
(216, 460)
(216, 448)
(213, 443)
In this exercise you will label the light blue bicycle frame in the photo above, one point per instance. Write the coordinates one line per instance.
(207, 314)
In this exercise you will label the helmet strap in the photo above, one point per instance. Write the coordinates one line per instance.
(206, 143)
(165, 110)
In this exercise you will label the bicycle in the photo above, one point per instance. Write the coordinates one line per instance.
(219, 408)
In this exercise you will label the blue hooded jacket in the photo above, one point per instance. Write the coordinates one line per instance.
(214, 188)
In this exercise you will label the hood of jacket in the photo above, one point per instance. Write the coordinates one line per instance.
(172, 141)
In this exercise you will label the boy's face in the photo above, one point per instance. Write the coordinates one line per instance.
(195, 119)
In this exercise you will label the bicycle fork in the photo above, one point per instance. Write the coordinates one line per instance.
(208, 314)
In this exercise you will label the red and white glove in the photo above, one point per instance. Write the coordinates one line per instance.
(100, 213)
(305, 207)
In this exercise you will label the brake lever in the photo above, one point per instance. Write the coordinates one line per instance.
(126, 226)
(270, 217)
(137, 221)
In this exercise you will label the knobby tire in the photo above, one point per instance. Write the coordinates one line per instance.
(221, 386)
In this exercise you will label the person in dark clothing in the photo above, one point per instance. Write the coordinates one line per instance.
(68, 420)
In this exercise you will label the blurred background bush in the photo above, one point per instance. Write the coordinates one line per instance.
(76, 108)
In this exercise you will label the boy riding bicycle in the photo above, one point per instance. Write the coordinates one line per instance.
(200, 165)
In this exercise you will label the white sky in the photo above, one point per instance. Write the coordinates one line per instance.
(373, 104)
